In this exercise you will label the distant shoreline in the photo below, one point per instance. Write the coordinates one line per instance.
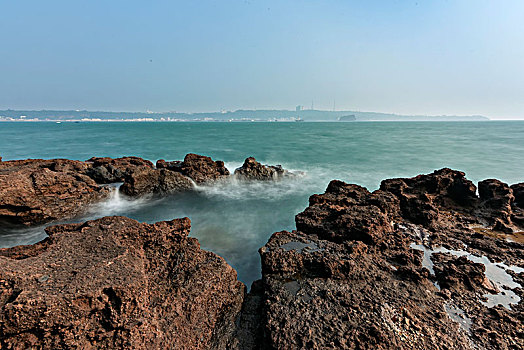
(298, 115)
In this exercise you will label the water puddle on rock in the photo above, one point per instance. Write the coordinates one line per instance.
(458, 315)
(300, 246)
(495, 272)
(292, 287)
(517, 237)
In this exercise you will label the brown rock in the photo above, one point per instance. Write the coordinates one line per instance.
(116, 283)
(108, 170)
(347, 296)
(518, 193)
(346, 212)
(497, 197)
(155, 181)
(36, 191)
(175, 165)
(349, 277)
(253, 170)
(422, 197)
(458, 273)
(201, 168)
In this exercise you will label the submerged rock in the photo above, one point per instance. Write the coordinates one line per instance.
(253, 170)
(117, 283)
(36, 191)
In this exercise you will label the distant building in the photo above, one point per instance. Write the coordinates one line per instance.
(299, 108)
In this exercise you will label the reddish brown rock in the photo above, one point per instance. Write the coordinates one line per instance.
(348, 277)
(347, 212)
(36, 191)
(116, 283)
(109, 170)
(253, 170)
(175, 165)
(201, 168)
(496, 204)
(422, 196)
(155, 181)
(320, 294)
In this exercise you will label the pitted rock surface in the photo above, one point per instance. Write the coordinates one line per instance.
(117, 283)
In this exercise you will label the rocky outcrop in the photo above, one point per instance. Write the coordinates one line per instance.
(199, 168)
(36, 191)
(421, 263)
(117, 283)
(175, 165)
(497, 198)
(348, 212)
(362, 270)
(518, 192)
(424, 196)
(253, 170)
(155, 181)
(110, 170)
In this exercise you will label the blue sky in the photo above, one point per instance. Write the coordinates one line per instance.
(411, 57)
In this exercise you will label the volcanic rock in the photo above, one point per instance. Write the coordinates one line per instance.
(350, 277)
(199, 168)
(518, 193)
(422, 196)
(36, 191)
(347, 212)
(155, 181)
(108, 170)
(117, 283)
(253, 170)
(175, 165)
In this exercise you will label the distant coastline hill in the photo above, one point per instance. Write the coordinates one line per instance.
(239, 115)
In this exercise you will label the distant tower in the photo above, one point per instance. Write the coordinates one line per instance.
(311, 104)
(333, 105)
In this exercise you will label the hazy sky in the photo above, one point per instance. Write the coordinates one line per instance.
(412, 57)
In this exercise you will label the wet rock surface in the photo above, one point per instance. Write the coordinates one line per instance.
(369, 270)
(253, 170)
(117, 283)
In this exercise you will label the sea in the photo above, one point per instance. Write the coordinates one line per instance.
(235, 218)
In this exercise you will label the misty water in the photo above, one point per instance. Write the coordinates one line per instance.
(234, 219)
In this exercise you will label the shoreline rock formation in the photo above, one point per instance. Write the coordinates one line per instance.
(421, 263)
(253, 170)
(404, 267)
(38, 191)
(117, 283)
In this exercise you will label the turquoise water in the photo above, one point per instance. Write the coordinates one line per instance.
(235, 219)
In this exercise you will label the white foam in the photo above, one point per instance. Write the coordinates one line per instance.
(118, 203)
(238, 189)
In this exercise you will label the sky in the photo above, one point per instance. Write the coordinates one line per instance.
(426, 57)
